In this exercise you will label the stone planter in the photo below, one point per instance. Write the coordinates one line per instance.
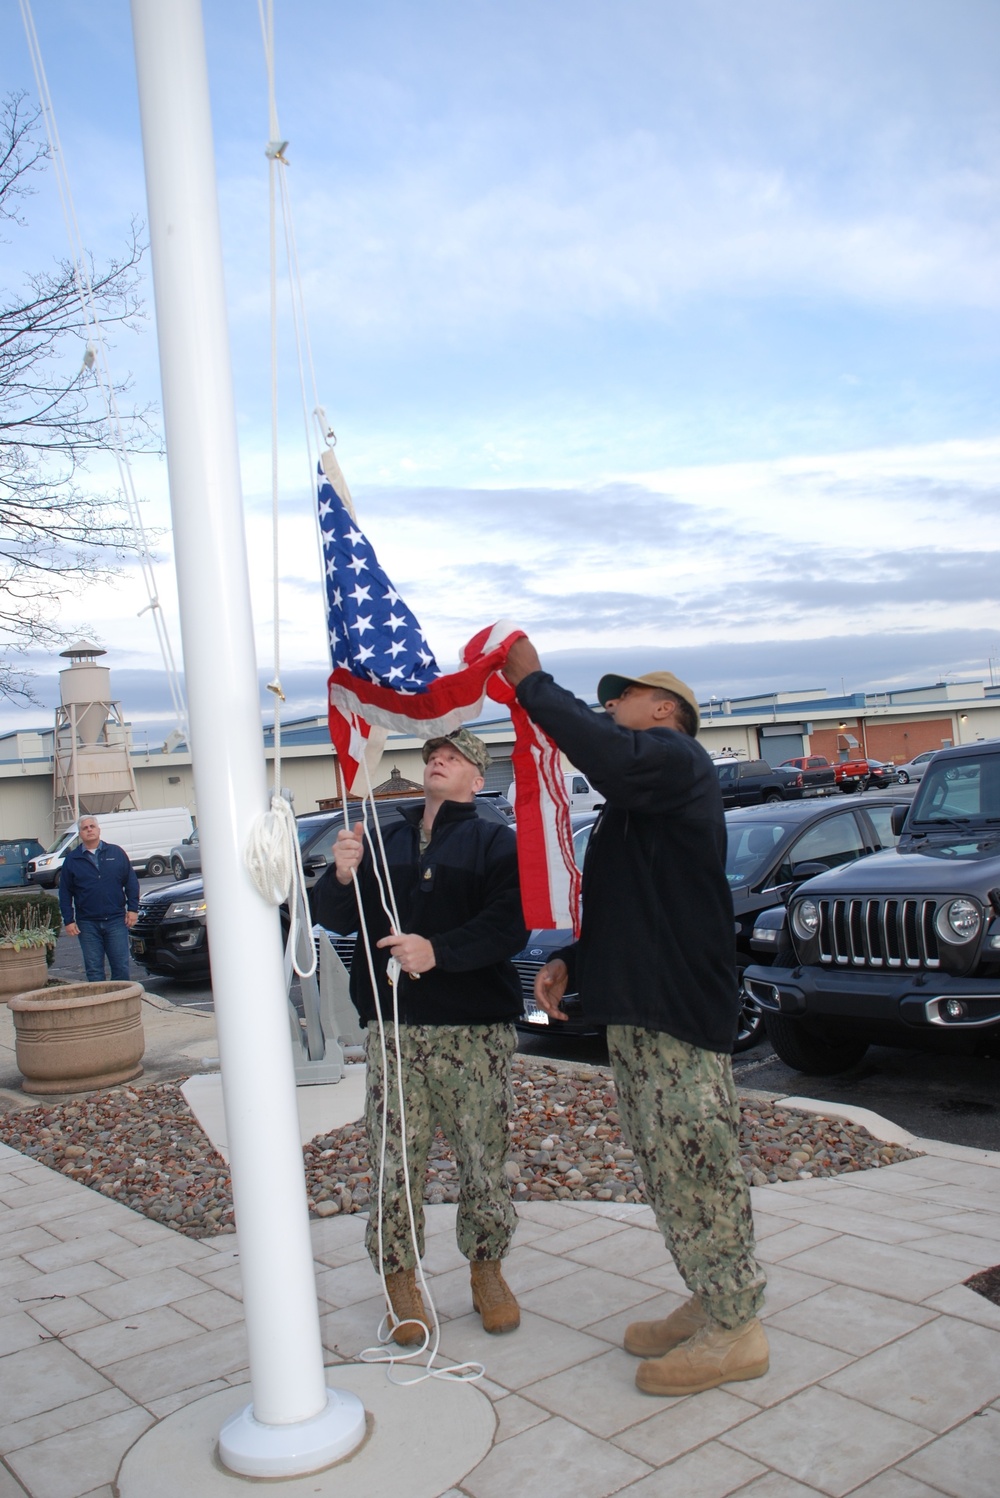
(78, 1037)
(21, 970)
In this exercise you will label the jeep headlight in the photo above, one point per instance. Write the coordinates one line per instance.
(805, 919)
(959, 920)
(179, 908)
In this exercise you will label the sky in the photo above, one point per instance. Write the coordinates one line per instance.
(668, 331)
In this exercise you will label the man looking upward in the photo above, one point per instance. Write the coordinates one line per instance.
(656, 963)
(99, 899)
(455, 880)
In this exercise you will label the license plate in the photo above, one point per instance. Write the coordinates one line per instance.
(537, 1017)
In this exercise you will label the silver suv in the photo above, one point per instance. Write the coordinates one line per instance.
(185, 859)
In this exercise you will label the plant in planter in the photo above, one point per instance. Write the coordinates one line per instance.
(29, 926)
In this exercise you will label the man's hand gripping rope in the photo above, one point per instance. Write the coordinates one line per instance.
(409, 953)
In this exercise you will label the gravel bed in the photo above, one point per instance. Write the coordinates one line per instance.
(142, 1146)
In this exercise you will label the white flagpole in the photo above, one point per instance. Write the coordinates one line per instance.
(295, 1424)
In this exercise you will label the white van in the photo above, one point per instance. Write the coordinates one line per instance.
(581, 794)
(146, 836)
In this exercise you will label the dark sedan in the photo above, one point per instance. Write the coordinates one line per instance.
(882, 773)
(771, 850)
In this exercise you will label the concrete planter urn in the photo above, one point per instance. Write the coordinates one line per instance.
(22, 968)
(78, 1037)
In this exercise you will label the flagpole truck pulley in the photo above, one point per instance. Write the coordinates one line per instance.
(295, 1424)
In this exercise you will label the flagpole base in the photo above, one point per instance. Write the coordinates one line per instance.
(253, 1449)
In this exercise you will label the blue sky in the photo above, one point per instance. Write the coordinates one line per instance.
(668, 330)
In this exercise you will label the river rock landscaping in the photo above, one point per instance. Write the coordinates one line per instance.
(142, 1146)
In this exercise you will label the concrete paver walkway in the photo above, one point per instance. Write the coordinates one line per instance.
(885, 1376)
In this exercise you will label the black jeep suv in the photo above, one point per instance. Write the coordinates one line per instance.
(902, 947)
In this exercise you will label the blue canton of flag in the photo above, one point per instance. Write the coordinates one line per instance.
(372, 633)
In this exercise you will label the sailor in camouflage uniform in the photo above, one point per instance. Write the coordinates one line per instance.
(656, 963)
(454, 876)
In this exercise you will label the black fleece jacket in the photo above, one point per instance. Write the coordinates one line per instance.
(657, 946)
(462, 894)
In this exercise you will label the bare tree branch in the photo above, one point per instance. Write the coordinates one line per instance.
(56, 533)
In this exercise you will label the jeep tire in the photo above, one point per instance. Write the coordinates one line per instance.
(810, 1053)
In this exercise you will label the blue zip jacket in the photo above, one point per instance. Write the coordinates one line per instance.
(97, 891)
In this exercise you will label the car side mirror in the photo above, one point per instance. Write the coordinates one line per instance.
(316, 864)
(768, 928)
(898, 818)
(803, 871)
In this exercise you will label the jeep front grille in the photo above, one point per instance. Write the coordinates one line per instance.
(868, 931)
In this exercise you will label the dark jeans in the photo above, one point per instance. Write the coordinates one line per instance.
(98, 938)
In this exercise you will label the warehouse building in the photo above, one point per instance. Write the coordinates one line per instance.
(891, 725)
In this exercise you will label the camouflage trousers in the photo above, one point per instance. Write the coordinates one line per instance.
(458, 1077)
(680, 1114)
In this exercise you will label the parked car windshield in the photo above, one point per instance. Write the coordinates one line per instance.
(960, 790)
(751, 848)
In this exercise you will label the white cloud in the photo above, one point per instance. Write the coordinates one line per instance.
(657, 323)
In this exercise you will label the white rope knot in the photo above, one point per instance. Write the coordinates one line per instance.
(274, 862)
(268, 854)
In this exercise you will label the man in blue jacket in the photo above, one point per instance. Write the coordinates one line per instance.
(99, 898)
(656, 963)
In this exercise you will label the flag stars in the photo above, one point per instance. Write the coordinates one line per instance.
(397, 654)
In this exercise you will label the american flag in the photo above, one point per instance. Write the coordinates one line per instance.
(372, 633)
(385, 677)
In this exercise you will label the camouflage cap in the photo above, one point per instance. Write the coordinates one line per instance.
(474, 750)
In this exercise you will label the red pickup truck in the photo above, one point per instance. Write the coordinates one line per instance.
(850, 774)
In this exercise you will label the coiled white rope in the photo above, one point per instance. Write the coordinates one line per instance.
(273, 858)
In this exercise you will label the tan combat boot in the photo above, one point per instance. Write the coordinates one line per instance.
(651, 1339)
(711, 1357)
(493, 1298)
(407, 1307)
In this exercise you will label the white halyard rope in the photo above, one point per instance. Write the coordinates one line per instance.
(383, 1353)
(267, 854)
